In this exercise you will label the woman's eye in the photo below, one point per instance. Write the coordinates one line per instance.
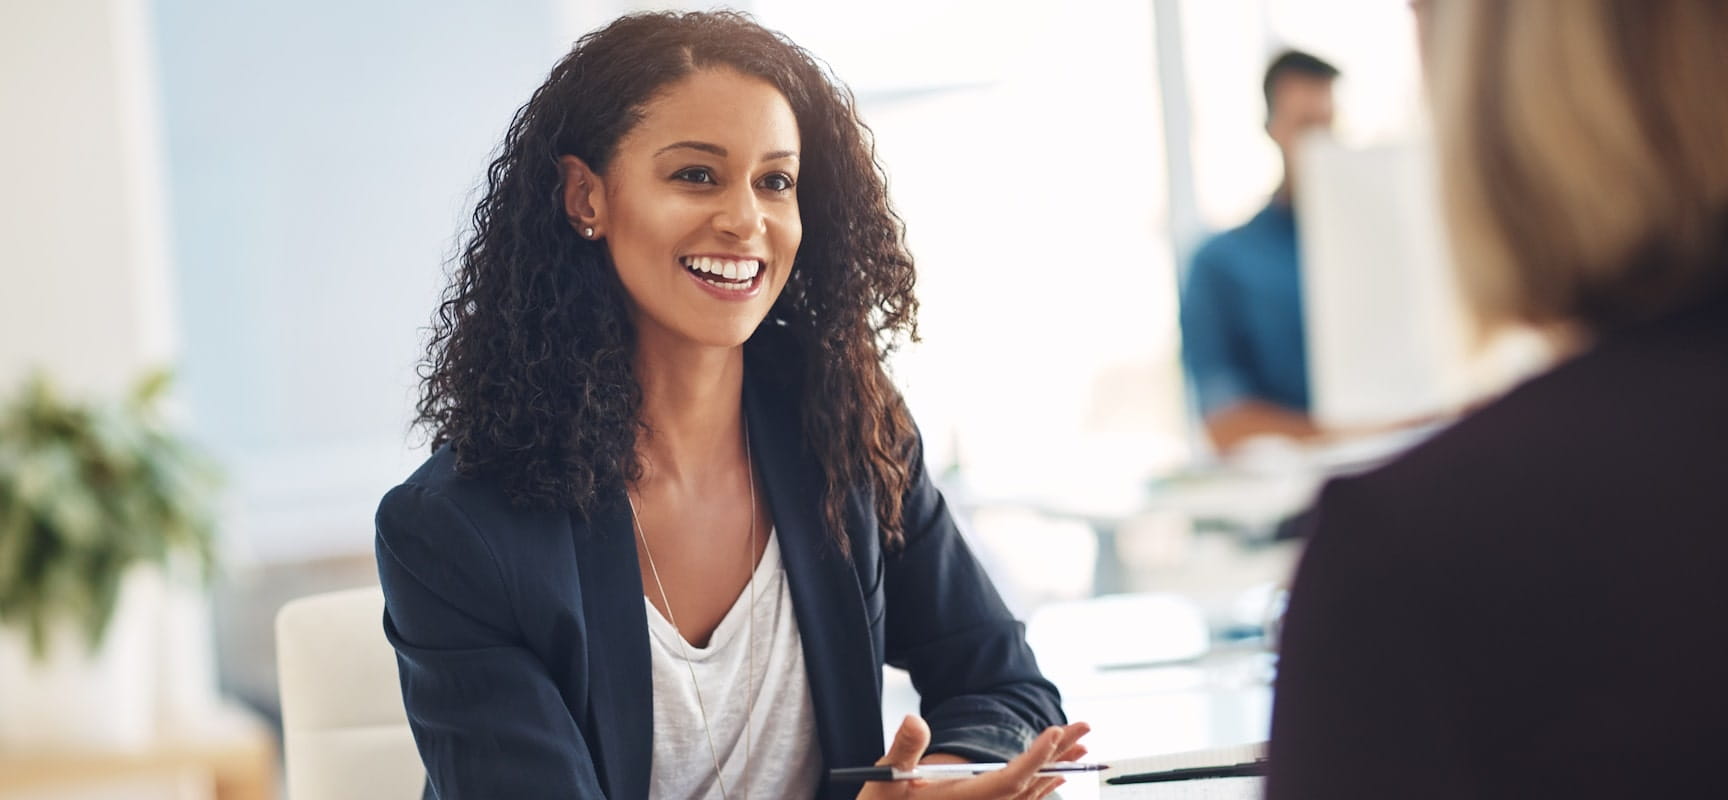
(694, 175)
(777, 182)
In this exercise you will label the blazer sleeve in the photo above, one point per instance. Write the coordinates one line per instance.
(1366, 703)
(979, 685)
(487, 717)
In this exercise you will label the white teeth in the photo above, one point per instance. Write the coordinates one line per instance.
(725, 268)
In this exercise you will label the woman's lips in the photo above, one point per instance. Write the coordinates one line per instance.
(709, 273)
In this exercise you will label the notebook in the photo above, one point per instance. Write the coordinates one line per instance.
(1207, 789)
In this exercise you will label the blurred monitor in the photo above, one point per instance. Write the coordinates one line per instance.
(1387, 338)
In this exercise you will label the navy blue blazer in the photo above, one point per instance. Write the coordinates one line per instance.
(522, 639)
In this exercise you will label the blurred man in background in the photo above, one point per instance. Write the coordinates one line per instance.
(1242, 327)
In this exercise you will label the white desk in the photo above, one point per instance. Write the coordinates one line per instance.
(1222, 699)
(1248, 788)
(1193, 714)
(1209, 789)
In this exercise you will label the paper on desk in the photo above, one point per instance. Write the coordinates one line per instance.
(1206, 789)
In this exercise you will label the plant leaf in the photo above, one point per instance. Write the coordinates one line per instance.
(86, 491)
(151, 388)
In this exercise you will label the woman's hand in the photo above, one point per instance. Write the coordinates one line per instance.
(1017, 781)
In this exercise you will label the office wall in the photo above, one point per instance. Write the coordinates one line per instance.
(322, 156)
(84, 286)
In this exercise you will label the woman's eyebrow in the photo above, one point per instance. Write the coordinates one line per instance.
(702, 146)
(717, 150)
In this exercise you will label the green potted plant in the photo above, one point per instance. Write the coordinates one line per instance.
(91, 494)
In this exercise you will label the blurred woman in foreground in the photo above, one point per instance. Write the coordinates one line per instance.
(1532, 603)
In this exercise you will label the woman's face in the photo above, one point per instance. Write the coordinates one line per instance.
(699, 208)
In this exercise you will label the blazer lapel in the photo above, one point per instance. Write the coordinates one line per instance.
(620, 679)
(826, 598)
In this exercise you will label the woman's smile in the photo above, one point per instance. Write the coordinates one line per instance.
(727, 277)
(705, 184)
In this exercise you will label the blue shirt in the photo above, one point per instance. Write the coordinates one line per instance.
(1242, 334)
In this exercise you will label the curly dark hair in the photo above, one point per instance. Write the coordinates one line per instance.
(528, 372)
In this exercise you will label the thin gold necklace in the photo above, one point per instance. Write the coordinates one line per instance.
(750, 631)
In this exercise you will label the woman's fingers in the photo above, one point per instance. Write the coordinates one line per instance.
(909, 743)
(1067, 748)
(1071, 734)
(1020, 773)
(1017, 781)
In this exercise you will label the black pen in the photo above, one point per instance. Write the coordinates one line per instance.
(936, 772)
(1244, 769)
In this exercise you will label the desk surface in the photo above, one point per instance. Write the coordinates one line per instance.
(235, 750)
(1213, 789)
(1209, 789)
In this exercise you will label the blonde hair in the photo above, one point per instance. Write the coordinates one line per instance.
(1584, 145)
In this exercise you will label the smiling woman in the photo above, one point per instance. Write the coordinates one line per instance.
(676, 519)
(690, 221)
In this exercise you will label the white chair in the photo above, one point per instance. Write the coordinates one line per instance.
(344, 733)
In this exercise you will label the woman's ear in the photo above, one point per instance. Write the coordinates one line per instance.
(584, 197)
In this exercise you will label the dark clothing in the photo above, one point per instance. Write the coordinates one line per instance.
(522, 638)
(1534, 603)
(1242, 324)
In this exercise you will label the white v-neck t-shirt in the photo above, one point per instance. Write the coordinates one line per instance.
(784, 757)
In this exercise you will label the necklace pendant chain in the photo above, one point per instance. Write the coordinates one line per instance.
(750, 632)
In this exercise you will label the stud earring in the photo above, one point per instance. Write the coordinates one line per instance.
(588, 232)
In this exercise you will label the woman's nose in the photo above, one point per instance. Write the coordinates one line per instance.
(740, 213)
